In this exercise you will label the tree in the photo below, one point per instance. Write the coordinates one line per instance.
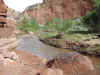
(92, 20)
(59, 26)
(29, 25)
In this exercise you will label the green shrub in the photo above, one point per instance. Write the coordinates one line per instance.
(57, 25)
(29, 25)
(92, 20)
(96, 3)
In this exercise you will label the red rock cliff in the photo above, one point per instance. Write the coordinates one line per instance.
(7, 26)
(3, 13)
(63, 9)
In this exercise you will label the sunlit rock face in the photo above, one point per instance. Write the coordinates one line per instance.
(63, 9)
(7, 26)
(3, 13)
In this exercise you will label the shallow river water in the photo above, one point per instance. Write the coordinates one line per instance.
(36, 47)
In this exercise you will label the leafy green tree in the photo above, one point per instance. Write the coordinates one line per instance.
(96, 3)
(29, 25)
(92, 20)
(59, 26)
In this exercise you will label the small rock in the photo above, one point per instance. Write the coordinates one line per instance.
(14, 56)
(44, 61)
(52, 72)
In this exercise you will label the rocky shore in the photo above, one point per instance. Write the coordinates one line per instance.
(91, 46)
(24, 63)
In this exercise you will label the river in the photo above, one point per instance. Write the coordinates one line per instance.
(33, 45)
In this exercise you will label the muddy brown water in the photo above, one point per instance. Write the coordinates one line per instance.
(36, 47)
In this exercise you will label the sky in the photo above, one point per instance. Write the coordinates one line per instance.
(20, 5)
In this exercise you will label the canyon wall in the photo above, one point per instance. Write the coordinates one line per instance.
(3, 13)
(63, 9)
(7, 25)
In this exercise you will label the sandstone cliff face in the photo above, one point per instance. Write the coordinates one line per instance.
(63, 9)
(7, 26)
(3, 13)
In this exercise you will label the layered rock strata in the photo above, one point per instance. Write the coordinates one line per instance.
(3, 14)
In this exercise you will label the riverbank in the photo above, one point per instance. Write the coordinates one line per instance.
(86, 44)
(31, 59)
(19, 62)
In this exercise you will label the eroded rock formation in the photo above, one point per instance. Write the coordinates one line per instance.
(63, 9)
(3, 13)
(7, 25)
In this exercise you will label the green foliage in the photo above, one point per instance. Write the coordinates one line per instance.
(57, 25)
(92, 20)
(96, 3)
(29, 25)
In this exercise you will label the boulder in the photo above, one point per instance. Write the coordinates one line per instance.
(24, 63)
(19, 63)
(71, 63)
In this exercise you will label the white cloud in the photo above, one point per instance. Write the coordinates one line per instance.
(20, 5)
